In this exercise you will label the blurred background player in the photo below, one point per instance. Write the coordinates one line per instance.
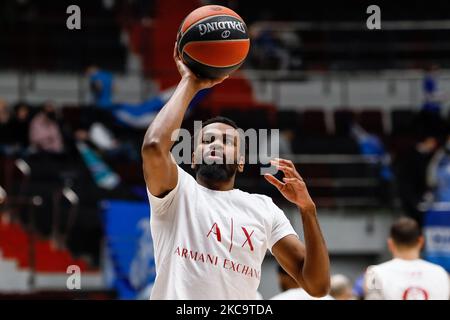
(341, 287)
(291, 290)
(406, 276)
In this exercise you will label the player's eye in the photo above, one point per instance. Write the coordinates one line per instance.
(208, 139)
(229, 141)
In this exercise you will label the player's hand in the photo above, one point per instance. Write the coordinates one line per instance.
(186, 73)
(293, 188)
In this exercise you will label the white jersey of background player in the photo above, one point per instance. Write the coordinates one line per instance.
(291, 289)
(406, 276)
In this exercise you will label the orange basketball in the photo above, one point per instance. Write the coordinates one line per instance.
(213, 41)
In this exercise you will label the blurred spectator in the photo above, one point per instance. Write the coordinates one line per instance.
(372, 146)
(411, 171)
(287, 136)
(6, 136)
(4, 112)
(20, 124)
(268, 53)
(291, 289)
(438, 177)
(358, 288)
(292, 42)
(104, 141)
(406, 276)
(101, 84)
(45, 133)
(341, 287)
(432, 96)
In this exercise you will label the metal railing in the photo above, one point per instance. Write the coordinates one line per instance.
(23, 200)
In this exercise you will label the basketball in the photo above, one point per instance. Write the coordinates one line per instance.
(213, 41)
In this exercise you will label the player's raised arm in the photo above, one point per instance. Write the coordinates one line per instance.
(160, 171)
(307, 263)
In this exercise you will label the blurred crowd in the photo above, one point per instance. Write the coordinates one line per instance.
(100, 143)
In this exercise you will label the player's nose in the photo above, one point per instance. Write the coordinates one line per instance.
(217, 145)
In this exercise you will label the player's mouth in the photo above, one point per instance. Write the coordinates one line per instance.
(214, 156)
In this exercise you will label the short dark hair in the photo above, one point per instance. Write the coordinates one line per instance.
(220, 119)
(405, 231)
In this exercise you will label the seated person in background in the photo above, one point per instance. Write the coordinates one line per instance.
(341, 287)
(432, 97)
(291, 289)
(413, 187)
(406, 276)
(101, 85)
(371, 146)
(6, 137)
(438, 174)
(20, 125)
(45, 133)
(104, 141)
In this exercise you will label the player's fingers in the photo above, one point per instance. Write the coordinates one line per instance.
(292, 181)
(175, 52)
(274, 181)
(290, 164)
(279, 162)
(285, 162)
(287, 170)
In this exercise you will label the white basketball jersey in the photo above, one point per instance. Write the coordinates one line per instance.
(400, 279)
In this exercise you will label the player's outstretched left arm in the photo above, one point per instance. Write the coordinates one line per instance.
(307, 263)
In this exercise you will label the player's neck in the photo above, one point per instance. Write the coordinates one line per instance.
(216, 185)
(407, 254)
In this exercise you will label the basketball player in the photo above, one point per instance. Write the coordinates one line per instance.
(209, 238)
(406, 276)
(291, 289)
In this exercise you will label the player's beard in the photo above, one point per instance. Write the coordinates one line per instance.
(216, 172)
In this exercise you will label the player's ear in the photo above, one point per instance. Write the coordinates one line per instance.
(193, 160)
(241, 164)
(390, 244)
(420, 242)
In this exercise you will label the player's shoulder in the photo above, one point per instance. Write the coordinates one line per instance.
(433, 267)
(395, 264)
(387, 264)
(376, 268)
